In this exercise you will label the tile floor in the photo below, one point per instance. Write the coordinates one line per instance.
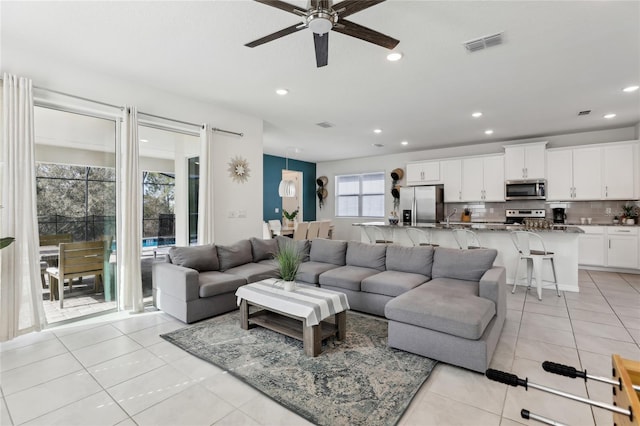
(116, 370)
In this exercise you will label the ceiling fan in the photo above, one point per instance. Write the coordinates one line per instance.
(322, 17)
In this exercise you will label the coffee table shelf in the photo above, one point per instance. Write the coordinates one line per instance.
(292, 327)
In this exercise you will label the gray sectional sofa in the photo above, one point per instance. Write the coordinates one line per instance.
(446, 304)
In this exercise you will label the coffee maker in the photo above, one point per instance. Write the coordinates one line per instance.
(559, 215)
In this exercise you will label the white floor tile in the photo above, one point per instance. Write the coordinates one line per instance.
(601, 330)
(104, 351)
(151, 335)
(236, 418)
(139, 322)
(267, 412)
(548, 335)
(196, 368)
(25, 355)
(167, 352)
(548, 321)
(26, 340)
(96, 410)
(172, 410)
(231, 389)
(141, 392)
(596, 364)
(607, 346)
(541, 351)
(635, 333)
(89, 337)
(46, 397)
(544, 404)
(597, 317)
(437, 410)
(5, 418)
(38, 372)
(556, 311)
(588, 306)
(125, 367)
(631, 312)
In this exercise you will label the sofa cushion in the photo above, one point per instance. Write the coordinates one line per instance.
(213, 283)
(234, 255)
(467, 265)
(201, 258)
(392, 283)
(416, 260)
(348, 277)
(455, 287)
(328, 251)
(303, 246)
(263, 249)
(366, 255)
(309, 272)
(440, 310)
(253, 272)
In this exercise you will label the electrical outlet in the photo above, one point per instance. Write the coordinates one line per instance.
(242, 213)
(490, 209)
(277, 210)
(607, 210)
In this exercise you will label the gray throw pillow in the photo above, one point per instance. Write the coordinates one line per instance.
(234, 255)
(467, 265)
(414, 260)
(201, 258)
(366, 255)
(328, 251)
(303, 246)
(263, 249)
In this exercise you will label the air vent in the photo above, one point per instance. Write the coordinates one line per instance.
(585, 112)
(325, 124)
(484, 42)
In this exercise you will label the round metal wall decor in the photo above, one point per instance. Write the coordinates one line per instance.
(239, 169)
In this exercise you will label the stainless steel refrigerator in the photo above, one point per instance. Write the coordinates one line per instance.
(422, 204)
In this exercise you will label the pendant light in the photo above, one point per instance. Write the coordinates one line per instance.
(287, 188)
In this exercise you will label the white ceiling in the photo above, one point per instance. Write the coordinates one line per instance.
(559, 57)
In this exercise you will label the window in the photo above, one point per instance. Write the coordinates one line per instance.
(360, 195)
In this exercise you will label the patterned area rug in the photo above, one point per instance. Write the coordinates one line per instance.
(359, 381)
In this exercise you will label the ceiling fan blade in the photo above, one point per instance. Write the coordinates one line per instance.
(289, 30)
(353, 6)
(287, 7)
(322, 49)
(363, 33)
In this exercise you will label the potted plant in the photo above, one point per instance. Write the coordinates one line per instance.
(630, 212)
(289, 260)
(290, 216)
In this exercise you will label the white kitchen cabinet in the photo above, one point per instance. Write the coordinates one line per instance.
(483, 178)
(423, 173)
(618, 166)
(574, 174)
(526, 161)
(622, 247)
(452, 179)
(591, 245)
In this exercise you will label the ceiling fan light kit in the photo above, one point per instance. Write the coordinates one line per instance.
(322, 17)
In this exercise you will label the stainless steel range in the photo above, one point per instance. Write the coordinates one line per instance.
(518, 216)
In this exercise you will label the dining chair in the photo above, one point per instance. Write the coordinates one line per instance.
(266, 231)
(276, 227)
(300, 233)
(325, 227)
(466, 239)
(51, 240)
(312, 232)
(420, 237)
(523, 241)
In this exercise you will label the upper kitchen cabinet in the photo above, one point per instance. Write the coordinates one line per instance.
(423, 173)
(483, 178)
(574, 174)
(452, 179)
(619, 172)
(525, 161)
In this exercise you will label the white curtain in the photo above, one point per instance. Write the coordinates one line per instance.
(129, 240)
(205, 193)
(21, 309)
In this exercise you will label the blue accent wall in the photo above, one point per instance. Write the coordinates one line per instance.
(272, 174)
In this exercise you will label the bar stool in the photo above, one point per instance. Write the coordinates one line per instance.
(466, 239)
(420, 237)
(376, 235)
(522, 242)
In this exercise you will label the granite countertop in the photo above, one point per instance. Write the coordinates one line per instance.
(602, 224)
(480, 226)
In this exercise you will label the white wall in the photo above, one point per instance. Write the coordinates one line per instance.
(343, 228)
(51, 73)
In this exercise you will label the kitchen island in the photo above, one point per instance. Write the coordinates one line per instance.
(561, 240)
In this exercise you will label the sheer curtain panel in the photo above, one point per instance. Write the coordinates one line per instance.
(205, 192)
(129, 243)
(21, 309)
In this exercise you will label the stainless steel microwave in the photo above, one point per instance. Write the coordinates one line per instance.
(525, 189)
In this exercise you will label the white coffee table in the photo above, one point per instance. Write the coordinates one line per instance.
(299, 314)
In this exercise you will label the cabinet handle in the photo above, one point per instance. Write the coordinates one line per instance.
(606, 191)
(623, 230)
(421, 175)
(609, 243)
(524, 173)
(459, 195)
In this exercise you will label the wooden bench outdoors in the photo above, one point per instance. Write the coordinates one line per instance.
(76, 260)
(51, 240)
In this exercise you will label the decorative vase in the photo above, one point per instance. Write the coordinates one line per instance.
(289, 285)
(631, 221)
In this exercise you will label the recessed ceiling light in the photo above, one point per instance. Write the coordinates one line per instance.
(377, 145)
(476, 114)
(377, 130)
(282, 92)
(144, 140)
(394, 56)
(631, 89)
(609, 116)
(488, 132)
(405, 142)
